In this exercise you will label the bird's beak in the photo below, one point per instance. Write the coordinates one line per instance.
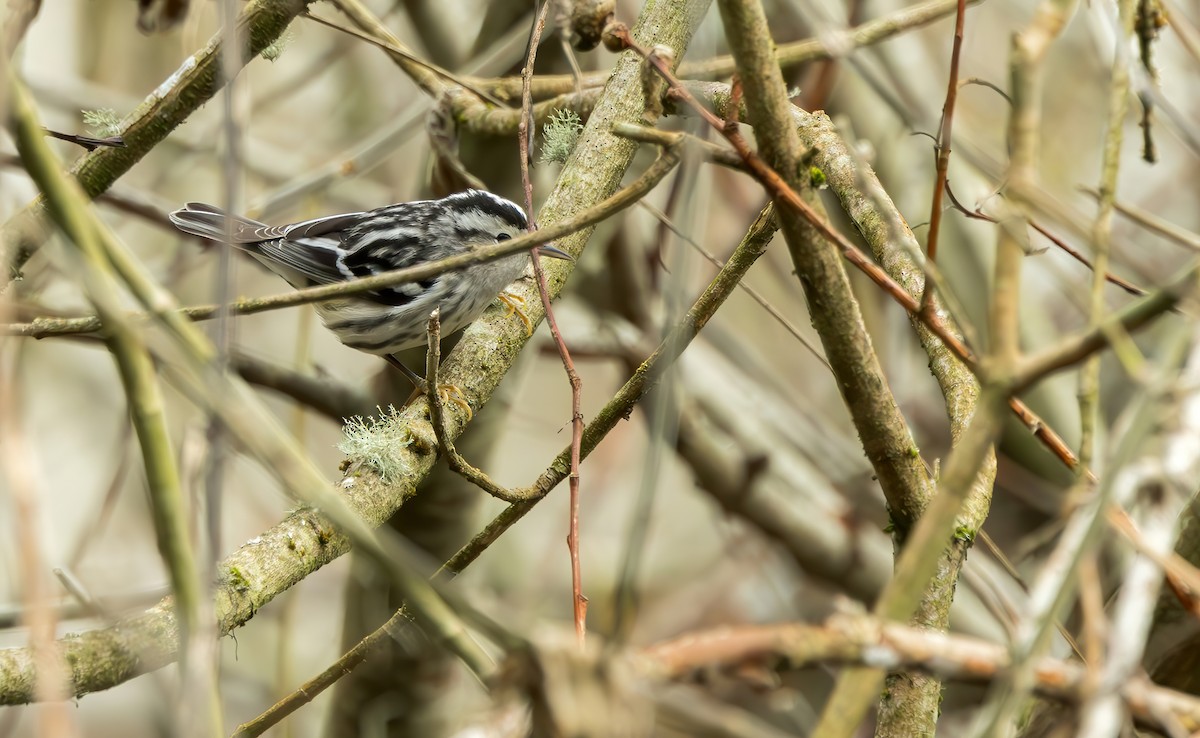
(554, 253)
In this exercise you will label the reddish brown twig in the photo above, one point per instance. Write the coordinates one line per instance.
(978, 214)
(780, 190)
(579, 602)
(943, 150)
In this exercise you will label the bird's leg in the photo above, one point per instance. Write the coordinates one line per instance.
(417, 380)
(515, 303)
(447, 392)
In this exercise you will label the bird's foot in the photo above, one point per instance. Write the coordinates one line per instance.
(515, 303)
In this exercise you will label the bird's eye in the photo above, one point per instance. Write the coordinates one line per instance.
(503, 237)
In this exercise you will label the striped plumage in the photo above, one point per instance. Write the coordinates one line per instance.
(336, 248)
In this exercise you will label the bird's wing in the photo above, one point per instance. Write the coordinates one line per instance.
(324, 226)
(349, 246)
(384, 250)
(315, 260)
(313, 249)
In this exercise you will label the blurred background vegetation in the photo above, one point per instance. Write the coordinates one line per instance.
(331, 124)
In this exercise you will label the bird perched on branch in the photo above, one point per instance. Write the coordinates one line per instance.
(345, 247)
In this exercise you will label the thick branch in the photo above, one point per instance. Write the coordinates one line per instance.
(835, 312)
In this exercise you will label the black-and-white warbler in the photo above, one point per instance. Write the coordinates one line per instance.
(338, 248)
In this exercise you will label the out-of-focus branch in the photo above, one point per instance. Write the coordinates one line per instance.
(425, 75)
(1153, 223)
(67, 206)
(752, 246)
(841, 640)
(789, 55)
(848, 639)
(334, 399)
(1030, 47)
(193, 84)
(21, 14)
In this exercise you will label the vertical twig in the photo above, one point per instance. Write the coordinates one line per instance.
(202, 681)
(230, 63)
(1132, 617)
(1118, 106)
(18, 462)
(943, 150)
(437, 418)
(579, 602)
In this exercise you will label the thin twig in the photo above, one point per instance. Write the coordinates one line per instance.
(754, 294)
(978, 214)
(201, 705)
(695, 146)
(753, 245)
(943, 148)
(433, 358)
(308, 691)
(1151, 222)
(1071, 350)
(579, 602)
(399, 51)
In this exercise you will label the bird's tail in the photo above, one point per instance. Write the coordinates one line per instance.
(209, 221)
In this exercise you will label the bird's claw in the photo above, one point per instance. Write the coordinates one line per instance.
(453, 393)
(515, 303)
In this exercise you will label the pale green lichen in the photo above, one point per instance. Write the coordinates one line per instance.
(102, 122)
(275, 49)
(559, 136)
(377, 442)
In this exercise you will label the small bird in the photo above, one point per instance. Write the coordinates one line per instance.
(340, 248)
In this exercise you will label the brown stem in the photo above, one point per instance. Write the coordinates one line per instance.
(943, 152)
(578, 601)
